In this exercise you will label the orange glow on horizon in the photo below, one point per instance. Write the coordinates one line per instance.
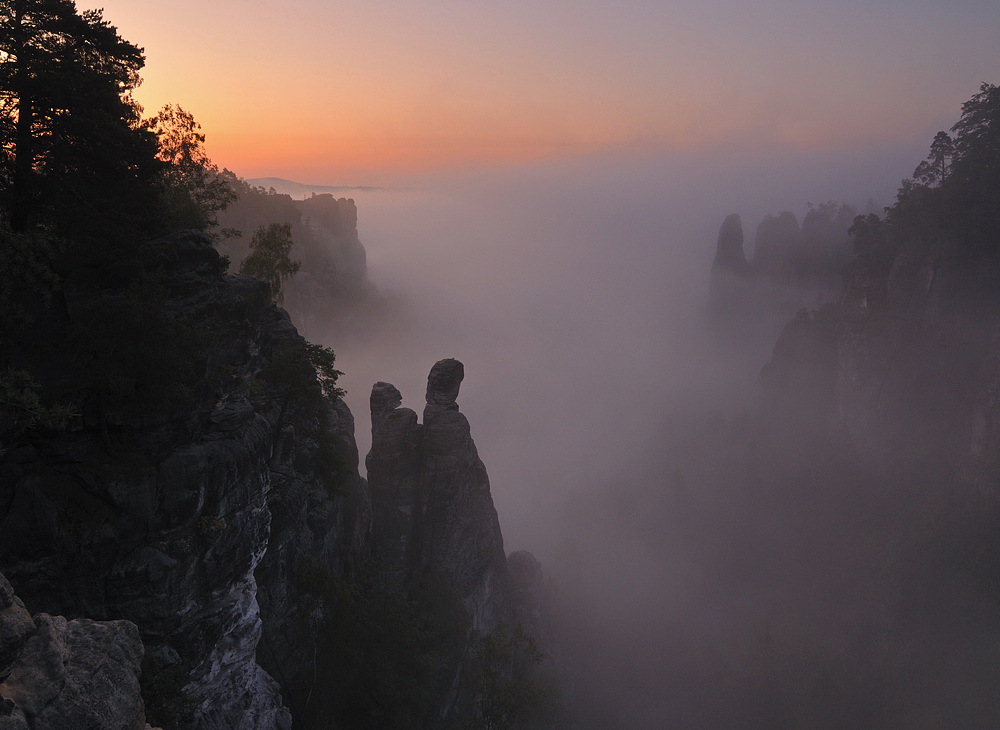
(370, 159)
(373, 90)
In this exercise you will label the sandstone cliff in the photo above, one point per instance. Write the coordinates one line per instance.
(431, 494)
(222, 514)
(791, 266)
(331, 293)
(161, 516)
(57, 674)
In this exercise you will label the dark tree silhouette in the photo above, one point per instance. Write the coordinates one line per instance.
(270, 258)
(934, 170)
(195, 191)
(974, 180)
(73, 147)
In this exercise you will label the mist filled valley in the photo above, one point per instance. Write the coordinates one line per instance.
(504, 367)
(717, 554)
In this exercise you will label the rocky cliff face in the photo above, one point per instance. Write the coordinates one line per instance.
(431, 494)
(776, 250)
(729, 254)
(729, 268)
(332, 287)
(320, 524)
(435, 524)
(57, 674)
(791, 266)
(908, 369)
(228, 522)
(163, 519)
(331, 293)
(917, 370)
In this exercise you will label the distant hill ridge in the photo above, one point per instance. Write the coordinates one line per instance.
(297, 189)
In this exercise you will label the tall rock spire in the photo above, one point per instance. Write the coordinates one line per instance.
(729, 254)
(729, 269)
(431, 493)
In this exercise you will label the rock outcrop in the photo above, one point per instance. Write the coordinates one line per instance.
(460, 531)
(791, 268)
(320, 526)
(729, 268)
(528, 594)
(431, 494)
(776, 248)
(164, 520)
(15, 627)
(729, 254)
(393, 465)
(59, 674)
(227, 521)
(331, 293)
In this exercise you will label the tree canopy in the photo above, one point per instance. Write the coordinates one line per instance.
(935, 168)
(270, 257)
(74, 150)
(950, 203)
(195, 191)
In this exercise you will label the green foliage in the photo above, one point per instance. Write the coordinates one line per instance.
(321, 359)
(874, 252)
(950, 204)
(27, 272)
(210, 524)
(194, 190)
(977, 133)
(270, 258)
(304, 374)
(509, 693)
(934, 170)
(973, 185)
(74, 151)
(382, 648)
(162, 686)
(134, 359)
(22, 408)
(301, 381)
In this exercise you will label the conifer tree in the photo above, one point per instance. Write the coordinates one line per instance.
(195, 191)
(73, 148)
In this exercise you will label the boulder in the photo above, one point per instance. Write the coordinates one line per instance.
(68, 674)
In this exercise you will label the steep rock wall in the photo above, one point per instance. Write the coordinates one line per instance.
(431, 494)
(230, 524)
(167, 527)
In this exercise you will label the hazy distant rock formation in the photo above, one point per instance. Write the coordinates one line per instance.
(729, 268)
(57, 674)
(918, 362)
(905, 362)
(331, 292)
(799, 383)
(431, 494)
(776, 250)
(729, 254)
(791, 267)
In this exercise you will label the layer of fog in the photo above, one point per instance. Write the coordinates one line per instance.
(575, 293)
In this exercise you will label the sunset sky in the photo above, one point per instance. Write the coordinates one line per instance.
(370, 92)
